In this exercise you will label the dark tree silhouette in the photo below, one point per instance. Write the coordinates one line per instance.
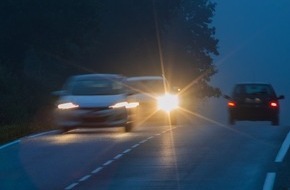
(43, 42)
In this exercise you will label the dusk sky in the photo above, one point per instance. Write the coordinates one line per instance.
(254, 47)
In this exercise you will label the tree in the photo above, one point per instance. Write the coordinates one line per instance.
(41, 43)
(128, 41)
(60, 28)
(191, 45)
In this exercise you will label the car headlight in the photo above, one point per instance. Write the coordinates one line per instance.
(132, 105)
(168, 102)
(66, 106)
(127, 105)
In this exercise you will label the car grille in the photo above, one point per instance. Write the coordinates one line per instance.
(94, 119)
(94, 109)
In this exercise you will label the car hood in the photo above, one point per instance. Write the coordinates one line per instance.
(94, 101)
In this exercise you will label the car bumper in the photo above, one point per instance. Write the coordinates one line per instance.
(91, 118)
(254, 114)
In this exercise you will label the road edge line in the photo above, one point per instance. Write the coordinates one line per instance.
(283, 150)
(9, 144)
(269, 181)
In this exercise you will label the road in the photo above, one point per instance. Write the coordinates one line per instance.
(195, 154)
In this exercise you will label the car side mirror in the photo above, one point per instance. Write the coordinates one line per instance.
(281, 97)
(227, 97)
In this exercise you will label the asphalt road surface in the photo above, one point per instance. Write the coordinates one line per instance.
(196, 154)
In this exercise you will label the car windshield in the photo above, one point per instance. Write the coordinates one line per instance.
(148, 86)
(95, 87)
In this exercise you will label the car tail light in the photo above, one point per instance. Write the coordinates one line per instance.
(273, 104)
(231, 104)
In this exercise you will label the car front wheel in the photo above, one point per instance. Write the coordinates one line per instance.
(129, 127)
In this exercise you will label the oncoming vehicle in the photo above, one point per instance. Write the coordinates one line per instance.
(155, 98)
(93, 100)
(253, 102)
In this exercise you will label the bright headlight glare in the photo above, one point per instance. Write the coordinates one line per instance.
(66, 106)
(168, 102)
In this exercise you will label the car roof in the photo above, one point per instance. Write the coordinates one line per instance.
(253, 83)
(138, 78)
(88, 76)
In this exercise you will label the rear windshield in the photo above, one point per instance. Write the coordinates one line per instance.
(253, 89)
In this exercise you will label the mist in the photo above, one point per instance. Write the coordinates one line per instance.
(254, 44)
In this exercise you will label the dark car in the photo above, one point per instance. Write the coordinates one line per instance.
(254, 102)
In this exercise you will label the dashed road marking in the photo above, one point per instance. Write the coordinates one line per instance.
(97, 170)
(85, 178)
(108, 162)
(141, 142)
(136, 145)
(71, 186)
(126, 151)
(149, 138)
(118, 156)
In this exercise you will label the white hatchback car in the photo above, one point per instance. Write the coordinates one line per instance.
(93, 100)
(155, 98)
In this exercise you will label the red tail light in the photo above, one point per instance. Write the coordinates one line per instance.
(232, 104)
(274, 104)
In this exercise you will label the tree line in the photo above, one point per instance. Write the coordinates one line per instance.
(44, 42)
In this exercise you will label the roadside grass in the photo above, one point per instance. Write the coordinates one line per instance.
(12, 132)
(40, 123)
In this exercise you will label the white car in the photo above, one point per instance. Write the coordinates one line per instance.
(155, 97)
(93, 100)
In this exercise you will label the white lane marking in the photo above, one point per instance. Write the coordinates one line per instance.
(41, 134)
(283, 150)
(269, 181)
(71, 186)
(31, 136)
(97, 170)
(118, 156)
(158, 134)
(85, 178)
(141, 142)
(149, 138)
(126, 151)
(108, 162)
(136, 145)
(9, 144)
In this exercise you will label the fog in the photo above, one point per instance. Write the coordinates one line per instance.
(254, 47)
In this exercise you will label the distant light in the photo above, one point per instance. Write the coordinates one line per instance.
(168, 102)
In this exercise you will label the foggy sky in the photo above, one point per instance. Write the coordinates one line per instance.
(254, 47)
